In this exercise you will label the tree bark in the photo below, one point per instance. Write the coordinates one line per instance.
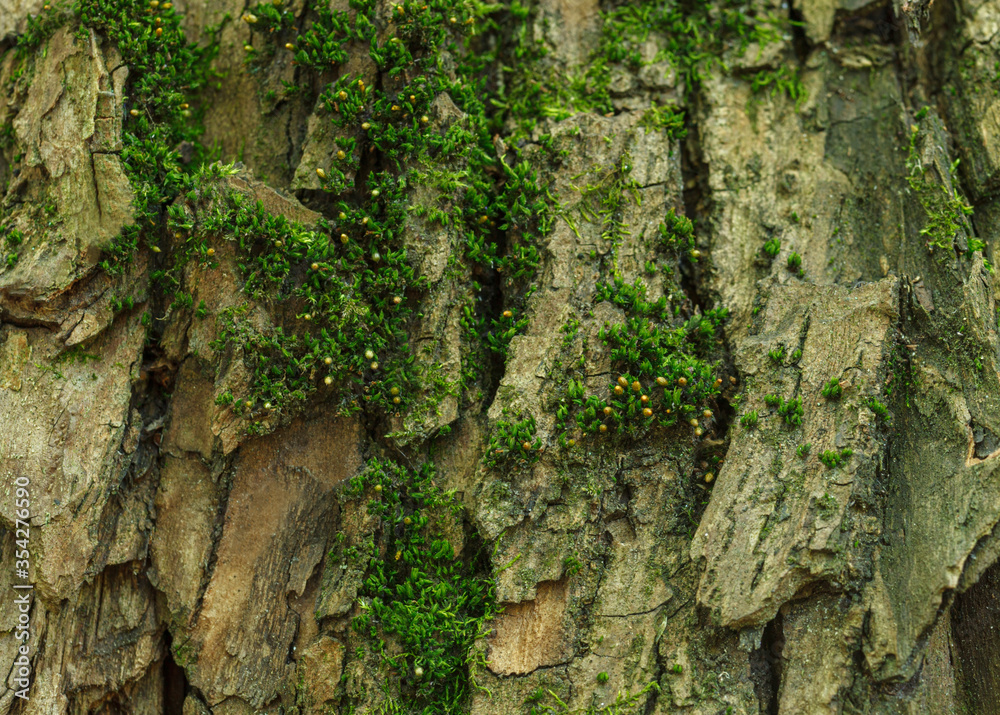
(254, 488)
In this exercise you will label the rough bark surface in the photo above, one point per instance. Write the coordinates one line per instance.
(795, 549)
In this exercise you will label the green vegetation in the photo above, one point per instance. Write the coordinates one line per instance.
(834, 459)
(832, 390)
(795, 262)
(666, 118)
(790, 411)
(777, 354)
(513, 441)
(879, 409)
(946, 210)
(749, 419)
(803, 450)
(772, 247)
(417, 593)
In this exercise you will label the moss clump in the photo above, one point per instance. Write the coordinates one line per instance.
(417, 593)
(832, 390)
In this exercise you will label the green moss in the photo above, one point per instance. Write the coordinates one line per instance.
(832, 390)
(417, 592)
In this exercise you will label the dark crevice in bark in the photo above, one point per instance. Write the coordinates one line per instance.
(878, 21)
(174, 682)
(765, 667)
(974, 618)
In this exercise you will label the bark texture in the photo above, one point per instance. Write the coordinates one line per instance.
(817, 534)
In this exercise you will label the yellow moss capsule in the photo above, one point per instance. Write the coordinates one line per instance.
(369, 354)
(527, 446)
(508, 314)
(364, 221)
(395, 400)
(328, 380)
(374, 366)
(289, 46)
(661, 381)
(571, 442)
(378, 488)
(636, 387)
(134, 112)
(394, 391)
(342, 94)
(185, 105)
(395, 107)
(398, 555)
(341, 155)
(619, 390)
(709, 477)
(250, 18)
(307, 316)
(328, 361)
(623, 382)
(607, 410)
(647, 412)
(682, 381)
(644, 399)
(315, 266)
(693, 421)
(267, 405)
(320, 173)
(424, 119)
(707, 413)
(453, 20)
(210, 251)
(248, 404)
(167, 5)
(698, 432)
(397, 300)
(366, 126)
(603, 428)
(248, 48)
(156, 249)
(407, 520)
(375, 193)
(344, 238)
(342, 216)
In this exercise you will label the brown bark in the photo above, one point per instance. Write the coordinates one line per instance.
(183, 564)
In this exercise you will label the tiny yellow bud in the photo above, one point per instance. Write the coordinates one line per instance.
(184, 105)
(341, 155)
(369, 354)
(707, 413)
(210, 251)
(289, 46)
(315, 266)
(397, 300)
(661, 381)
(378, 487)
(647, 412)
(508, 314)
(320, 173)
(375, 193)
(156, 249)
(623, 382)
(452, 20)
(682, 381)
(307, 316)
(395, 400)
(366, 126)
(134, 112)
(343, 238)
(607, 410)
(636, 387)
(394, 391)
(342, 216)
(407, 520)
(374, 366)
(603, 428)
(425, 119)
(709, 477)
(248, 48)
(167, 5)
(527, 446)
(418, 672)
(267, 405)
(328, 380)
(644, 399)
(571, 442)
(248, 404)
(342, 94)
(619, 390)
(698, 432)
(395, 107)
(328, 361)
(250, 18)
(693, 421)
